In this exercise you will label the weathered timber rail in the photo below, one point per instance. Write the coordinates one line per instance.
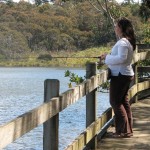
(48, 112)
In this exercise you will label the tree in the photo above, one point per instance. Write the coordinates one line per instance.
(110, 9)
(10, 3)
(38, 2)
(145, 10)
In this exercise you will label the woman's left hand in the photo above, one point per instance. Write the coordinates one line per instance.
(103, 56)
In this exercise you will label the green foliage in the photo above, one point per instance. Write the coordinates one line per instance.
(73, 78)
(43, 8)
(144, 63)
(105, 86)
(146, 34)
(72, 26)
(45, 57)
(38, 2)
(145, 10)
(116, 11)
(9, 3)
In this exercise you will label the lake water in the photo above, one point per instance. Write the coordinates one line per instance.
(22, 89)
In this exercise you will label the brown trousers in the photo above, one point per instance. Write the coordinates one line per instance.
(119, 86)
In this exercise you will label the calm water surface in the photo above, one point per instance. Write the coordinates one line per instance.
(22, 89)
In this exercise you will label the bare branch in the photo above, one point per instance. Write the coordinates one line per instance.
(94, 6)
(102, 7)
(109, 13)
(105, 9)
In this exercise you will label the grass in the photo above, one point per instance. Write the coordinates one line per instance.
(33, 61)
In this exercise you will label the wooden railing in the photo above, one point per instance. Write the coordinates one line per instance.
(101, 124)
(48, 112)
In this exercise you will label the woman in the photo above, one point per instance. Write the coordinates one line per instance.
(119, 62)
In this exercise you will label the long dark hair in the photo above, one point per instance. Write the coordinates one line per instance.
(127, 30)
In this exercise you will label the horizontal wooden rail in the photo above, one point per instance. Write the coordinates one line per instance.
(140, 56)
(142, 47)
(144, 69)
(138, 88)
(21, 125)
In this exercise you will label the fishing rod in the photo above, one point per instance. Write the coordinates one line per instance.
(54, 57)
(73, 57)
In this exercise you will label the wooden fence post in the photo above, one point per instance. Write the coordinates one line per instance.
(135, 80)
(140, 69)
(91, 100)
(50, 131)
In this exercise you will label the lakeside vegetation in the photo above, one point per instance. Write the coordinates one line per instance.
(79, 59)
(31, 34)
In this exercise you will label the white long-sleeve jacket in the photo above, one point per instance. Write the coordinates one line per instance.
(120, 58)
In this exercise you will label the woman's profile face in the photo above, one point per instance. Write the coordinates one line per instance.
(118, 31)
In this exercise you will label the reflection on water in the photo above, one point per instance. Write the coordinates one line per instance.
(22, 89)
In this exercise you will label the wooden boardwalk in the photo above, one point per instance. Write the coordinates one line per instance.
(141, 131)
